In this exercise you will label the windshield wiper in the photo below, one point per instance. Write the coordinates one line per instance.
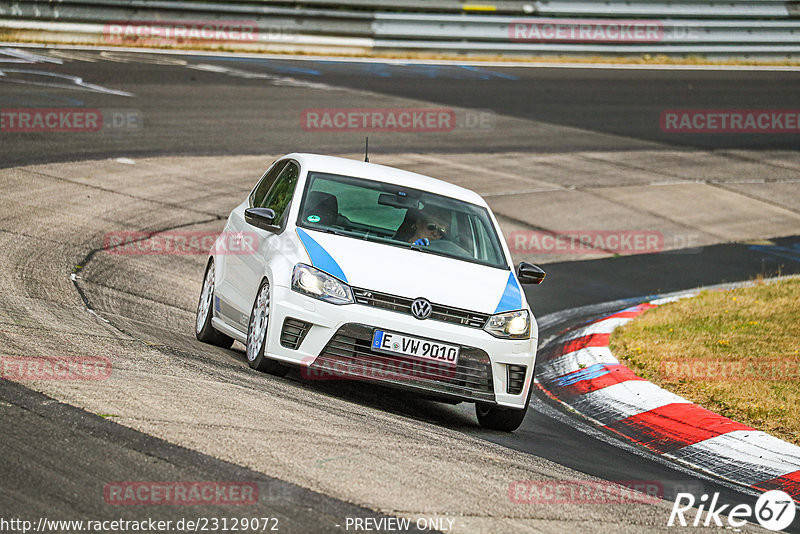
(329, 231)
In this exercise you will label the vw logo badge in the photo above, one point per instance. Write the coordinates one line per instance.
(421, 308)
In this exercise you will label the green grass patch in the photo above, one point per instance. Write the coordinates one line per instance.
(734, 352)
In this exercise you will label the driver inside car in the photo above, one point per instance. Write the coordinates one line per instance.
(430, 225)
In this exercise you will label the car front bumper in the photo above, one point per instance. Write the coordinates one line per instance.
(335, 343)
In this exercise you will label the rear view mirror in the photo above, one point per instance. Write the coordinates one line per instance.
(263, 218)
(398, 201)
(528, 273)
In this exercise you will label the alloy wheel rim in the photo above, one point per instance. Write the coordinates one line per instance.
(258, 324)
(206, 295)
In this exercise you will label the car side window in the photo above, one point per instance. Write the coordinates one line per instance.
(280, 194)
(486, 251)
(260, 191)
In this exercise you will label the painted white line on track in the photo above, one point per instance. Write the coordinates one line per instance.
(277, 80)
(31, 58)
(440, 62)
(663, 183)
(472, 168)
(524, 192)
(74, 82)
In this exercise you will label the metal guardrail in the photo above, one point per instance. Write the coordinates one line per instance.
(426, 6)
(713, 9)
(748, 9)
(521, 30)
(267, 18)
(733, 28)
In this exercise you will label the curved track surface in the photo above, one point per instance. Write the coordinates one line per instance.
(238, 105)
(185, 411)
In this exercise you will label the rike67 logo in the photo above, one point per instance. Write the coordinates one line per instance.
(774, 510)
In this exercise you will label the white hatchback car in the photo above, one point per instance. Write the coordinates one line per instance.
(360, 271)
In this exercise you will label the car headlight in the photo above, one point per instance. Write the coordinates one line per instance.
(320, 285)
(510, 325)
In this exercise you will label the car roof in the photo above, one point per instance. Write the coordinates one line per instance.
(382, 173)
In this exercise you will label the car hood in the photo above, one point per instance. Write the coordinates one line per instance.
(412, 273)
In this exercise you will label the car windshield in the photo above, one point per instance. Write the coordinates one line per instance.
(399, 216)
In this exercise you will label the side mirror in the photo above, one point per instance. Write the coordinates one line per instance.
(263, 218)
(527, 273)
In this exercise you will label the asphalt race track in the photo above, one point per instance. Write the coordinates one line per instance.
(208, 105)
(551, 149)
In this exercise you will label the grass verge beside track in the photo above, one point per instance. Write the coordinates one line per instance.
(735, 352)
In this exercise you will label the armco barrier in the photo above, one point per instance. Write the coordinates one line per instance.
(643, 8)
(735, 28)
(311, 21)
(513, 30)
(712, 9)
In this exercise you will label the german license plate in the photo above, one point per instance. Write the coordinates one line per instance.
(415, 347)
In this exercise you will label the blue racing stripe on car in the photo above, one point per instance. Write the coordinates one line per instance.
(320, 257)
(512, 296)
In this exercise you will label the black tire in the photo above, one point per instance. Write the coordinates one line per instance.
(499, 418)
(203, 329)
(257, 334)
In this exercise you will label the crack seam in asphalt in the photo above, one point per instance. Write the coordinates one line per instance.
(113, 192)
(713, 183)
(132, 294)
(553, 233)
(90, 255)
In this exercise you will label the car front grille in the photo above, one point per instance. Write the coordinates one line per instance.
(293, 332)
(349, 355)
(446, 314)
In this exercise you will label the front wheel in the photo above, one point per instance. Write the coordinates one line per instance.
(203, 329)
(257, 335)
(498, 417)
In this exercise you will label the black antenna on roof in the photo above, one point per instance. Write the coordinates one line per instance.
(366, 151)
